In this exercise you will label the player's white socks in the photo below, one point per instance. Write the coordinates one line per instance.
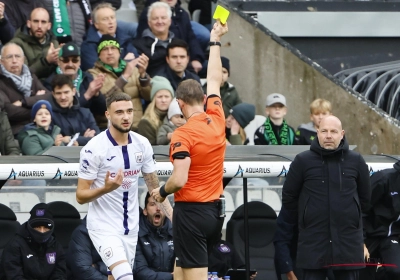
(123, 271)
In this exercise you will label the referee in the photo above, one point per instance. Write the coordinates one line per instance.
(197, 151)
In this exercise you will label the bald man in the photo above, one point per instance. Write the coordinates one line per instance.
(326, 191)
(39, 44)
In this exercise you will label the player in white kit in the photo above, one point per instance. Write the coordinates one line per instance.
(109, 170)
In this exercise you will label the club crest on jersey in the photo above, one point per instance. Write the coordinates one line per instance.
(139, 157)
(51, 258)
(126, 183)
(224, 248)
(85, 164)
(108, 253)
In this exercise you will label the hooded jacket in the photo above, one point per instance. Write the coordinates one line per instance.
(322, 187)
(23, 258)
(34, 140)
(155, 255)
(20, 115)
(89, 53)
(36, 52)
(182, 29)
(73, 120)
(154, 49)
(174, 79)
(305, 134)
(383, 217)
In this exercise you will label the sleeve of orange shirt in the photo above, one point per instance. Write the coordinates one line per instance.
(180, 145)
(214, 108)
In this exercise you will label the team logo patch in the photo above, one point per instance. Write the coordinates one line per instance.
(39, 212)
(139, 157)
(176, 145)
(85, 164)
(126, 183)
(223, 248)
(51, 258)
(108, 253)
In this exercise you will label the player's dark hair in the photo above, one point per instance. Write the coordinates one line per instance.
(117, 96)
(190, 92)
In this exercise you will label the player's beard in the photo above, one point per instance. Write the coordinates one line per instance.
(121, 129)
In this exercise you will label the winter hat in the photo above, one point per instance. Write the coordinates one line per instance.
(107, 40)
(225, 64)
(41, 216)
(39, 105)
(275, 98)
(174, 109)
(69, 49)
(243, 113)
(159, 83)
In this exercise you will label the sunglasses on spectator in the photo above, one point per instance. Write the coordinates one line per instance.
(74, 59)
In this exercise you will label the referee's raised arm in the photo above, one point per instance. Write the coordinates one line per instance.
(214, 69)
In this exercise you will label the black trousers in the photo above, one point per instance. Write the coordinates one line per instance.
(321, 274)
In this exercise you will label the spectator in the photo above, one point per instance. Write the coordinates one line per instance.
(275, 130)
(155, 256)
(181, 27)
(205, 15)
(382, 223)
(155, 40)
(241, 115)
(129, 77)
(18, 11)
(83, 260)
(73, 21)
(68, 115)
(172, 121)
(34, 253)
(6, 28)
(41, 135)
(306, 133)
(87, 88)
(39, 44)
(8, 147)
(177, 61)
(19, 87)
(229, 95)
(323, 185)
(161, 96)
(105, 23)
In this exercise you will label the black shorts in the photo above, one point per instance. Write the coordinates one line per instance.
(197, 228)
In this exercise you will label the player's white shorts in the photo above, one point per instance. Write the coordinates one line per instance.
(113, 248)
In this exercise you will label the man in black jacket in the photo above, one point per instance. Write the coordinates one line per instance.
(7, 144)
(382, 222)
(155, 249)
(177, 61)
(34, 253)
(328, 188)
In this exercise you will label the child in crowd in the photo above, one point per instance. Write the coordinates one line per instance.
(229, 95)
(275, 130)
(172, 121)
(41, 135)
(319, 109)
(240, 116)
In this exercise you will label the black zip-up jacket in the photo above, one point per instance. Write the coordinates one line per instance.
(155, 254)
(174, 79)
(329, 190)
(383, 218)
(24, 259)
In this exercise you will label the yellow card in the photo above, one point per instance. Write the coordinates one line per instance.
(221, 13)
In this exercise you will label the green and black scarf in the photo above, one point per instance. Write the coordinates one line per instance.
(117, 71)
(286, 135)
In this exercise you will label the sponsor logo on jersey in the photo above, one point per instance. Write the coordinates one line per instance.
(88, 151)
(139, 157)
(51, 258)
(127, 173)
(111, 158)
(28, 256)
(176, 145)
(108, 253)
(85, 164)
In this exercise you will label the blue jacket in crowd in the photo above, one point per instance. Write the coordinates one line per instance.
(155, 255)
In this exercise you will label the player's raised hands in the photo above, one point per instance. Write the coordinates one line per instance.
(111, 184)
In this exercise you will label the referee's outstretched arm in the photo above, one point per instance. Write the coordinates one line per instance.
(214, 69)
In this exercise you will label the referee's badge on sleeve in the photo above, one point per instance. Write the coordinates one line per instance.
(139, 157)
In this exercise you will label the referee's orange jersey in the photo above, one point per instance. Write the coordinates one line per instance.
(203, 138)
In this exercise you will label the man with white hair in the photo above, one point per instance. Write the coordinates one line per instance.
(19, 87)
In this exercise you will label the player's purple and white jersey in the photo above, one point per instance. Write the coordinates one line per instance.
(117, 211)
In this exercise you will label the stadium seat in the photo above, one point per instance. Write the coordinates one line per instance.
(20, 203)
(8, 226)
(262, 227)
(252, 195)
(66, 218)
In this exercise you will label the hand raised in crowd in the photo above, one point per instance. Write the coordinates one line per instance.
(95, 86)
(142, 64)
(142, 61)
(58, 140)
(2, 8)
(196, 66)
(235, 127)
(17, 103)
(40, 92)
(89, 133)
(218, 31)
(111, 184)
(52, 54)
